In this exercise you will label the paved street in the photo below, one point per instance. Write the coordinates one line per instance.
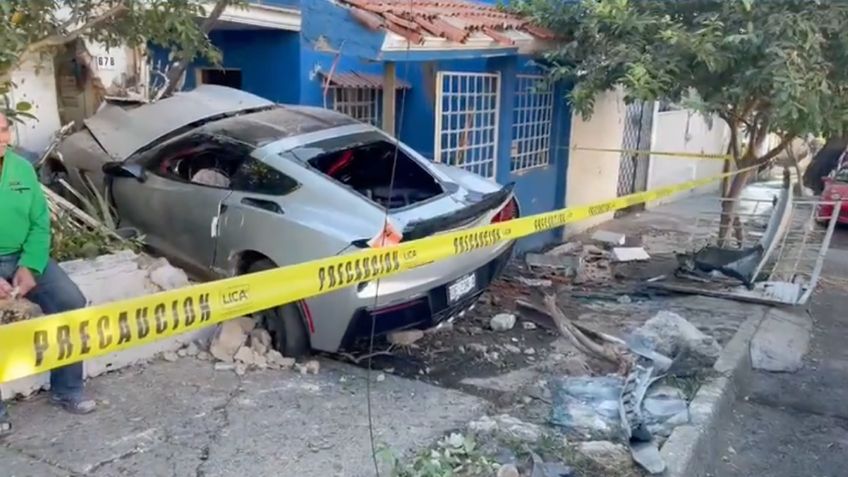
(184, 418)
(788, 425)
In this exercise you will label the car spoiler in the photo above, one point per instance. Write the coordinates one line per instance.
(427, 227)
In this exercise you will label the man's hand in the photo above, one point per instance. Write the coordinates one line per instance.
(5, 289)
(23, 281)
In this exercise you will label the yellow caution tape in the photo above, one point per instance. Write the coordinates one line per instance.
(41, 344)
(680, 155)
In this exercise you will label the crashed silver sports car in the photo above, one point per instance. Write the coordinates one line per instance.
(224, 183)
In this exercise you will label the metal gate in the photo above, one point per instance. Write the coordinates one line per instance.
(633, 167)
(467, 111)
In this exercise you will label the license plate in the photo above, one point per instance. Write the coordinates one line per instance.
(461, 287)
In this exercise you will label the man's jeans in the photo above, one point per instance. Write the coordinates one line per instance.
(54, 292)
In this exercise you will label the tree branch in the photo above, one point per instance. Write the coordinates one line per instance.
(179, 65)
(62, 39)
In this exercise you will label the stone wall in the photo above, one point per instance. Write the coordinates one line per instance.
(109, 278)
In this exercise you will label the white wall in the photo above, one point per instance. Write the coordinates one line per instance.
(593, 175)
(685, 131)
(36, 83)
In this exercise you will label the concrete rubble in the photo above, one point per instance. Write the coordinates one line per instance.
(405, 337)
(609, 238)
(507, 427)
(608, 455)
(629, 254)
(502, 322)
(671, 335)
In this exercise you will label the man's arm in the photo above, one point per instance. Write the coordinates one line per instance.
(36, 249)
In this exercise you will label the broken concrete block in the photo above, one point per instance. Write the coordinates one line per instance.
(276, 358)
(569, 264)
(224, 366)
(245, 355)
(312, 367)
(260, 341)
(168, 277)
(405, 337)
(260, 361)
(608, 455)
(229, 337)
(671, 335)
(502, 322)
(512, 348)
(240, 369)
(629, 254)
(781, 341)
(529, 325)
(192, 349)
(610, 238)
(247, 323)
(506, 426)
(204, 356)
(170, 356)
(566, 248)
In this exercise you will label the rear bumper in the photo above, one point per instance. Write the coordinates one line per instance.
(825, 212)
(424, 311)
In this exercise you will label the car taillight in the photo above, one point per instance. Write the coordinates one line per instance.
(508, 212)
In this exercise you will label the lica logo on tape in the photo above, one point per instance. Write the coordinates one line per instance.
(235, 296)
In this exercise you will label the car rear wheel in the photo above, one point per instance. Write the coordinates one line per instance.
(285, 323)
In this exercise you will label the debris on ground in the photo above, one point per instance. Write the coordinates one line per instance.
(405, 337)
(629, 254)
(507, 427)
(569, 265)
(228, 338)
(17, 309)
(609, 456)
(591, 406)
(502, 322)
(240, 346)
(610, 238)
(566, 248)
(671, 335)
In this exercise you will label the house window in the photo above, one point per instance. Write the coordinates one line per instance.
(359, 102)
(222, 77)
(467, 110)
(531, 127)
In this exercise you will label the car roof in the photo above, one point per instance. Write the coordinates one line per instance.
(262, 127)
(121, 131)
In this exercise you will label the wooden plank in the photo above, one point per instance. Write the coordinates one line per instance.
(389, 83)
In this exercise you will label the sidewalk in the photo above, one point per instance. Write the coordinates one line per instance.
(185, 419)
(787, 425)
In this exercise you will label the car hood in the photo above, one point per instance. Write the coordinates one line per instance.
(121, 131)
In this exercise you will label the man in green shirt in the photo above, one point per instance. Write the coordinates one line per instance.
(26, 269)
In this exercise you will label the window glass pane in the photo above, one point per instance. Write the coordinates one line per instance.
(258, 177)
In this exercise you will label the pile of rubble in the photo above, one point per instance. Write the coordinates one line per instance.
(239, 345)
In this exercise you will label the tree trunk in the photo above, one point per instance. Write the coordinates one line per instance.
(180, 63)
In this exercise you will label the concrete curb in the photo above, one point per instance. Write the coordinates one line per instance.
(690, 449)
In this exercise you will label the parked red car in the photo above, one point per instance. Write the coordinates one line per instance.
(835, 189)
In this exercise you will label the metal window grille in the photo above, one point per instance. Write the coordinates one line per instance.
(362, 104)
(633, 170)
(531, 128)
(467, 109)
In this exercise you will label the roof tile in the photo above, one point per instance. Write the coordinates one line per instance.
(453, 20)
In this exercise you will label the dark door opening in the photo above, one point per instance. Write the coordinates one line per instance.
(222, 77)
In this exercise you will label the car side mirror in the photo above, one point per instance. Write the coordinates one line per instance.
(117, 169)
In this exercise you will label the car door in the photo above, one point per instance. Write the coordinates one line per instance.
(253, 217)
(178, 217)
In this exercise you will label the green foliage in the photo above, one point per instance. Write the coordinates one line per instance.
(454, 456)
(761, 65)
(40, 27)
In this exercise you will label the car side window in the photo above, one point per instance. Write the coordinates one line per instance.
(260, 178)
(198, 159)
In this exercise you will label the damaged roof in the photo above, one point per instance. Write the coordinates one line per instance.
(360, 80)
(453, 20)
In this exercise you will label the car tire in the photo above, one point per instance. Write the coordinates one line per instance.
(285, 323)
